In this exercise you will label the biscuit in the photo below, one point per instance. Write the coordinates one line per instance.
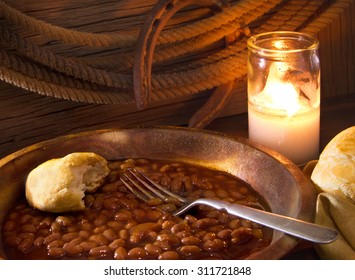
(59, 185)
(335, 171)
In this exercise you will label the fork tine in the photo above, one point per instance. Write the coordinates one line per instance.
(153, 190)
(174, 195)
(138, 194)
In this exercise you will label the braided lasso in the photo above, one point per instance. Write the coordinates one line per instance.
(209, 61)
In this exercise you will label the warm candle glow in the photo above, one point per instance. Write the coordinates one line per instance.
(284, 94)
(279, 95)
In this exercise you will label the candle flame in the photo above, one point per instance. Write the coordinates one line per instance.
(278, 94)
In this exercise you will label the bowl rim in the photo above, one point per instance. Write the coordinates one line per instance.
(273, 251)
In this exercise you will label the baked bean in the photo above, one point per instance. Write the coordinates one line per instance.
(167, 224)
(25, 244)
(155, 201)
(123, 216)
(151, 236)
(233, 224)
(117, 243)
(246, 223)
(153, 215)
(86, 226)
(38, 241)
(176, 185)
(56, 252)
(70, 236)
(76, 241)
(43, 232)
(63, 221)
(204, 223)
(100, 252)
(169, 255)
(224, 233)
(183, 234)
(120, 254)
(137, 253)
(243, 190)
(190, 250)
(127, 203)
(164, 245)
(56, 227)
(84, 234)
(152, 250)
(73, 249)
(165, 181)
(109, 234)
(165, 168)
(25, 235)
(136, 237)
(52, 237)
(216, 228)
(116, 225)
(213, 245)
(190, 219)
(169, 207)
(188, 184)
(101, 220)
(169, 238)
(240, 234)
(130, 224)
(111, 187)
(237, 195)
(56, 243)
(99, 229)
(209, 236)
(98, 239)
(111, 203)
(126, 165)
(190, 240)
(179, 227)
(87, 245)
(139, 215)
(25, 219)
(72, 228)
(123, 234)
(221, 193)
(209, 194)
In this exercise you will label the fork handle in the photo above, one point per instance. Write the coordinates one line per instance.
(301, 229)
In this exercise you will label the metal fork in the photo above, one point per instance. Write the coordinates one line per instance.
(145, 189)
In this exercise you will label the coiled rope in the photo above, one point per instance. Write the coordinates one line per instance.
(108, 78)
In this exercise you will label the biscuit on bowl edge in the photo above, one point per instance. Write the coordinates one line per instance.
(59, 185)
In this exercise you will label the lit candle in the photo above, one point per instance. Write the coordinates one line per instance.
(284, 94)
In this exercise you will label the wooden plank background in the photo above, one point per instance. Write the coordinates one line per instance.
(27, 117)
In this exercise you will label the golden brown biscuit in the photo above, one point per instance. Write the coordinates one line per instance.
(59, 185)
(335, 171)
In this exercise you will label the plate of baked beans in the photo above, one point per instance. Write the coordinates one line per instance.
(115, 224)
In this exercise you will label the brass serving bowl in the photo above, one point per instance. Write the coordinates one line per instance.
(279, 181)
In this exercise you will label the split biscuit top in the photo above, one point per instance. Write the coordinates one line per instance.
(59, 185)
(335, 171)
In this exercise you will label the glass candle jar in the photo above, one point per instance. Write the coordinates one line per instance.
(284, 93)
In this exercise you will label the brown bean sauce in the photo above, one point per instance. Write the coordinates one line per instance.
(117, 225)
